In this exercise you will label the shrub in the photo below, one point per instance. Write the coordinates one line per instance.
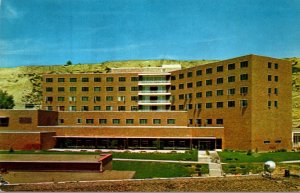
(11, 150)
(198, 165)
(249, 152)
(207, 152)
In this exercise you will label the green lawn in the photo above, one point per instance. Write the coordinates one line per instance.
(158, 170)
(242, 157)
(187, 156)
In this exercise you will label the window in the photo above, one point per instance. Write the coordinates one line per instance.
(190, 74)
(97, 108)
(49, 89)
(209, 82)
(122, 79)
(231, 91)
(266, 141)
(231, 104)
(97, 89)
(61, 108)
(244, 90)
(61, 89)
(116, 121)
(276, 78)
(189, 106)
(208, 105)
(171, 121)
(121, 98)
(208, 93)
(277, 141)
(72, 98)
(134, 108)
(73, 89)
(199, 83)
(84, 98)
(72, 108)
(109, 98)
(244, 103)
(219, 121)
(60, 99)
(269, 65)
(102, 121)
(269, 104)
(198, 94)
(173, 87)
(199, 72)
(231, 78)
(143, 121)
(89, 121)
(181, 107)
(122, 88)
(198, 106)
(275, 90)
(219, 92)
(129, 121)
(199, 122)
(49, 108)
(208, 121)
(24, 120)
(49, 79)
(276, 66)
(73, 79)
(134, 79)
(231, 66)
(209, 70)
(219, 104)
(97, 98)
(84, 89)
(61, 121)
(49, 99)
(173, 108)
(219, 80)
(61, 79)
(189, 96)
(79, 121)
(134, 88)
(121, 108)
(109, 79)
(181, 96)
(109, 89)
(190, 121)
(276, 104)
(134, 98)
(85, 79)
(97, 79)
(244, 64)
(244, 77)
(269, 77)
(181, 76)
(269, 90)
(109, 108)
(219, 68)
(156, 121)
(190, 85)
(181, 86)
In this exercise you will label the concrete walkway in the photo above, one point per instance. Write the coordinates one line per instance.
(214, 165)
(288, 162)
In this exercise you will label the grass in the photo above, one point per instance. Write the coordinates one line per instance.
(242, 168)
(187, 156)
(242, 157)
(157, 170)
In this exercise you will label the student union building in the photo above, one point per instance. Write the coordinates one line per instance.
(244, 103)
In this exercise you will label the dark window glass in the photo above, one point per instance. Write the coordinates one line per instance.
(244, 64)
(231, 66)
(219, 68)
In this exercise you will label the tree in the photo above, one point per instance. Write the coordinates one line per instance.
(6, 100)
(68, 63)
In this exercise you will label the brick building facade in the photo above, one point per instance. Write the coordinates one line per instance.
(241, 103)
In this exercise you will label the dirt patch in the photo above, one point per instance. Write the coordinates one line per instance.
(221, 184)
(34, 177)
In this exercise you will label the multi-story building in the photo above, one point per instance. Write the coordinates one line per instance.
(241, 103)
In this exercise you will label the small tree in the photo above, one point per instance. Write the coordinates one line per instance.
(69, 62)
(6, 100)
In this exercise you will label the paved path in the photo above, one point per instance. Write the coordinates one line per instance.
(293, 161)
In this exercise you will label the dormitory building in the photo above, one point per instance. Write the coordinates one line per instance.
(244, 103)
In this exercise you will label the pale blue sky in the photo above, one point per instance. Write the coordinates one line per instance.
(48, 32)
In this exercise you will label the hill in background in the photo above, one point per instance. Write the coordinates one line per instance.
(24, 82)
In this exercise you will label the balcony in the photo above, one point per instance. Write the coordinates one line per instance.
(154, 102)
(154, 82)
(154, 92)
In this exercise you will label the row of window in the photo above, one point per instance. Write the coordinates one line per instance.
(86, 98)
(209, 105)
(209, 70)
(95, 79)
(207, 122)
(118, 121)
(86, 89)
(87, 108)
